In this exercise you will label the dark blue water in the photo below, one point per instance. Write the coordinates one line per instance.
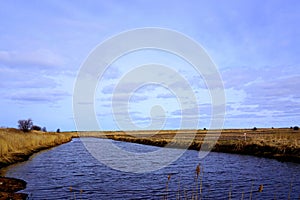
(70, 172)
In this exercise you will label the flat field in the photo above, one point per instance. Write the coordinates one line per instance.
(279, 143)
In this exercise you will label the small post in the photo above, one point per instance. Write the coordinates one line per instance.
(245, 135)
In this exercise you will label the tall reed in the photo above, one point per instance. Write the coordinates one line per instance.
(16, 146)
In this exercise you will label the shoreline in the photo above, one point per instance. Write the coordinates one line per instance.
(16, 146)
(9, 188)
(282, 144)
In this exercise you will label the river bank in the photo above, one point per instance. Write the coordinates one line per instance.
(281, 144)
(9, 187)
(278, 143)
(16, 146)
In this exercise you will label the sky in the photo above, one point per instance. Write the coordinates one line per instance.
(254, 44)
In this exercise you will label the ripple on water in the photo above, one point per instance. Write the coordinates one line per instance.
(69, 171)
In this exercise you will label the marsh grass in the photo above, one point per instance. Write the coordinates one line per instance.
(167, 187)
(75, 193)
(16, 145)
(251, 190)
(280, 143)
(195, 191)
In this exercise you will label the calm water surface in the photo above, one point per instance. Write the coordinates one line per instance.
(50, 174)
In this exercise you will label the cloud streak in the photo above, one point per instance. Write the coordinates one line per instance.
(41, 58)
(33, 97)
(256, 48)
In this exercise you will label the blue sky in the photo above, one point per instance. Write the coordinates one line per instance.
(255, 44)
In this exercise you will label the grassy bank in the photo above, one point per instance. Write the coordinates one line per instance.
(282, 144)
(17, 146)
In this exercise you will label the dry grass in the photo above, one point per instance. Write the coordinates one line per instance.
(283, 143)
(280, 143)
(195, 191)
(17, 146)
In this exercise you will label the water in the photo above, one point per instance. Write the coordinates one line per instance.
(70, 172)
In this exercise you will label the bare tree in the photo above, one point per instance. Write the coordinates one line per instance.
(25, 125)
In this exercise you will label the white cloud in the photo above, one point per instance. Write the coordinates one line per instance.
(42, 58)
(37, 96)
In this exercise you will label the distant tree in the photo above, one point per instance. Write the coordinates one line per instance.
(58, 130)
(291, 127)
(25, 125)
(254, 129)
(44, 129)
(204, 129)
(296, 128)
(36, 128)
(272, 127)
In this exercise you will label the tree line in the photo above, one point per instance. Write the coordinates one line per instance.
(26, 125)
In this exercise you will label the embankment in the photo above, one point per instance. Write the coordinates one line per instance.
(282, 143)
(9, 187)
(16, 146)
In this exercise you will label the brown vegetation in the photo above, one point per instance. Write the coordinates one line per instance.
(281, 143)
(9, 187)
(16, 145)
